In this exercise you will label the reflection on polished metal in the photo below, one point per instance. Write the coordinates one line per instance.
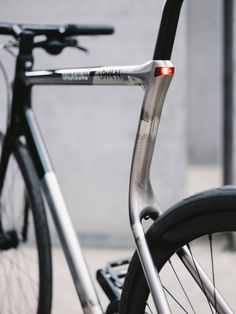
(104, 75)
(74, 255)
(142, 201)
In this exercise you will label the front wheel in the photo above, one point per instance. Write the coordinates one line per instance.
(25, 250)
(200, 224)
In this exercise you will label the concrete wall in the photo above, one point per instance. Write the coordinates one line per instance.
(90, 132)
(205, 80)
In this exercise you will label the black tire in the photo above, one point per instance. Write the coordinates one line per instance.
(26, 271)
(204, 214)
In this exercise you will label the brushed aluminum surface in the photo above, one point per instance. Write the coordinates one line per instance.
(104, 75)
(71, 246)
(142, 201)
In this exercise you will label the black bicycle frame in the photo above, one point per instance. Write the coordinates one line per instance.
(167, 30)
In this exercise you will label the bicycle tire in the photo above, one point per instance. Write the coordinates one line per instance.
(29, 273)
(209, 212)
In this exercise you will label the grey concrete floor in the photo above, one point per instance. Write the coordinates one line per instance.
(65, 299)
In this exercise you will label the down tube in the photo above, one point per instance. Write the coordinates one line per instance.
(65, 229)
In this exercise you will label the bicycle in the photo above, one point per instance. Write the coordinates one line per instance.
(170, 235)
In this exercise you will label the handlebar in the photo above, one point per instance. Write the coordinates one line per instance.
(55, 30)
(165, 39)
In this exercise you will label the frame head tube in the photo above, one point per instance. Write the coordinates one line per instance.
(167, 30)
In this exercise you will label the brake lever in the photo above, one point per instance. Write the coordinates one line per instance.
(72, 41)
(82, 48)
(55, 46)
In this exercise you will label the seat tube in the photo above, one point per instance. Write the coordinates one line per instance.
(142, 201)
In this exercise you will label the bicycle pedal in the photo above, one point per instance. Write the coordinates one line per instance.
(113, 307)
(111, 278)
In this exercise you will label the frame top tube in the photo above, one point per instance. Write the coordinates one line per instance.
(167, 30)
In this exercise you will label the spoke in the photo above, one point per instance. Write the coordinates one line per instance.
(19, 287)
(11, 190)
(29, 268)
(13, 291)
(203, 287)
(8, 209)
(24, 295)
(182, 287)
(9, 279)
(28, 256)
(171, 295)
(4, 273)
(213, 269)
(23, 290)
(149, 308)
(19, 269)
